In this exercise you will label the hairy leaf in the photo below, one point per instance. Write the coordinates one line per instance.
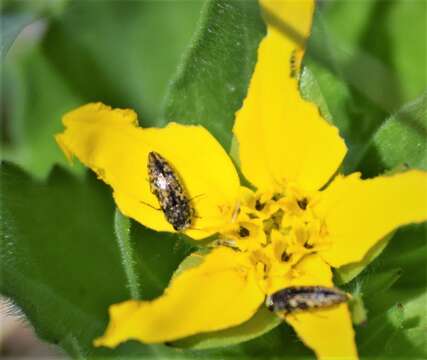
(212, 80)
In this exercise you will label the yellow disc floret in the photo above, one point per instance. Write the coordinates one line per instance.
(276, 229)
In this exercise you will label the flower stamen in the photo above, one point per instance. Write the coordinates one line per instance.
(243, 232)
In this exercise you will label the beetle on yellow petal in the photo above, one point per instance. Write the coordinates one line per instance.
(290, 232)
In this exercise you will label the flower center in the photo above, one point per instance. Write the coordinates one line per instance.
(276, 229)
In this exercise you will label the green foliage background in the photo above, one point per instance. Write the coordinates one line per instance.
(66, 254)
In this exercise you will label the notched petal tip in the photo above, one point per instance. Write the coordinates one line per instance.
(91, 112)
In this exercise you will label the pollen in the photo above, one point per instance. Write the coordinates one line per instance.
(277, 229)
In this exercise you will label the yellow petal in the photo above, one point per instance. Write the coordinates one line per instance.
(110, 142)
(281, 136)
(311, 271)
(359, 213)
(328, 331)
(219, 293)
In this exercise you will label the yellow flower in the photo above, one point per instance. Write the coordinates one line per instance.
(290, 231)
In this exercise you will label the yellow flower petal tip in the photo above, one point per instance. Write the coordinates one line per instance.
(280, 135)
(110, 142)
(359, 213)
(329, 332)
(219, 293)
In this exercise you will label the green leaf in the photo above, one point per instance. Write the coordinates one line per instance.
(358, 311)
(359, 55)
(59, 258)
(401, 140)
(310, 90)
(394, 291)
(156, 257)
(263, 321)
(212, 80)
(122, 230)
(123, 54)
(38, 7)
(381, 281)
(36, 98)
(375, 284)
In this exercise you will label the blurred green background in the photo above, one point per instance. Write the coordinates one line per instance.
(61, 257)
